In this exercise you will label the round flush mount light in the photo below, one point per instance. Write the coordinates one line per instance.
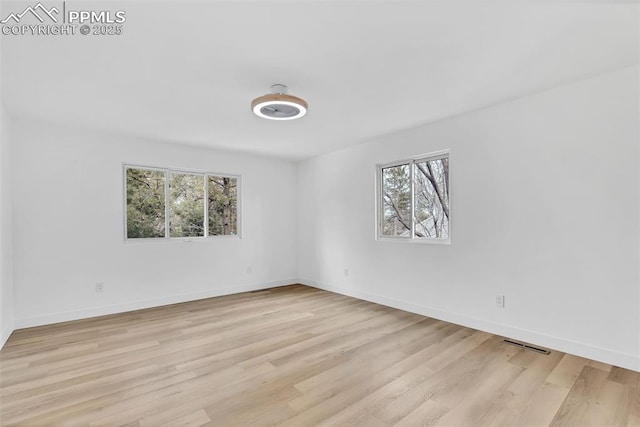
(278, 105)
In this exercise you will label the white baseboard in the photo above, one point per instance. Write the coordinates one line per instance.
(47, 319)
(4, 336)
(612, 357)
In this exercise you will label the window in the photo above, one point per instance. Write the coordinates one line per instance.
(223, 205)
(186, 205)
(413, 199)
(163, 203)
(145, 203)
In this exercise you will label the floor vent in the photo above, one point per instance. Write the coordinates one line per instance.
(527, 347)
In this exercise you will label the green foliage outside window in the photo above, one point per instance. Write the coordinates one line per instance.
(145, 203)
(186, 196)
(187, 204)
(223, 206)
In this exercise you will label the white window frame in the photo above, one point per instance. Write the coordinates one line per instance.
(167, 208)
(379, 217)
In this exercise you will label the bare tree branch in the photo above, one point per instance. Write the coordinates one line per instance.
(445, 168)
(429, 176)
(399, 215)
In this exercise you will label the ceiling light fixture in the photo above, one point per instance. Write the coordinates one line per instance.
(278, 105)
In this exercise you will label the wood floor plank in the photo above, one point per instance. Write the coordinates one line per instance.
(297, 356)
(542, 406)
(194, 419)
(582, 404)
(427, 414)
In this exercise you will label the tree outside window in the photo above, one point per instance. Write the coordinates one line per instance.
(162, 203)
(414, 199)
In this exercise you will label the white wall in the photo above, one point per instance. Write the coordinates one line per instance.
(544, 195)
(68, 227)
(6, 256)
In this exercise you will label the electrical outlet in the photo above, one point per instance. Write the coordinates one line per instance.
(99, 287)
(346, 272)
(500, 301)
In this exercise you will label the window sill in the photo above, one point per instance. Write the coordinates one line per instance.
(164, 240)
(414, 241)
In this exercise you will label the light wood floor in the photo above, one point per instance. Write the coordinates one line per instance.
(297, 356)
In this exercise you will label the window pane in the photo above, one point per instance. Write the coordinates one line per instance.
(396, 195)
(145, 203)
(186, 203)
(432, 199)
(223, 206)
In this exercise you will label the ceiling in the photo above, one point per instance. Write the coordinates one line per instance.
(186, 72)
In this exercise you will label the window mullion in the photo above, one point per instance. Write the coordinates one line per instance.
(379, 201)
(206, 205)
(126, 205)
(412, 173)
(167, 210)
